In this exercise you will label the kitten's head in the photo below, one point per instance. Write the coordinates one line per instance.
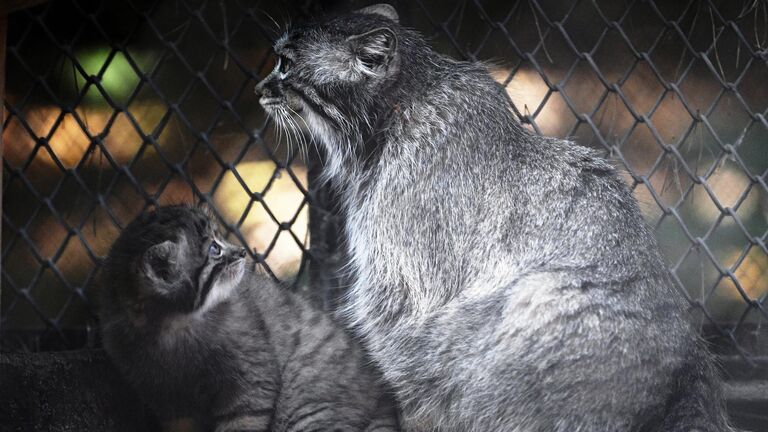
(332, 74)
(172, 260)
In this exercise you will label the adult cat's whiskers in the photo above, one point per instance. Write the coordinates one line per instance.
(313, 141)
(295, 134)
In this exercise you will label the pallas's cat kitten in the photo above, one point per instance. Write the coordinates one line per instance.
(503, 281)
(203, 339)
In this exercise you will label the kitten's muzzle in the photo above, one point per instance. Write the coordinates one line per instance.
(237, 254)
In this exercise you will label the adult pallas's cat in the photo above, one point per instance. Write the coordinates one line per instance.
(503, 281)
(201, 338)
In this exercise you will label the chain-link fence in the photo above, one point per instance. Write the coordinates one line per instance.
(113, 107)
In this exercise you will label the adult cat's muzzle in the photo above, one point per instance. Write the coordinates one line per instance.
(266, 101)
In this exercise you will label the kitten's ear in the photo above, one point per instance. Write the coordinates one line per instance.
(214, 221)
(160, 262)
(207, 209)
(383, 9)
(374, 50)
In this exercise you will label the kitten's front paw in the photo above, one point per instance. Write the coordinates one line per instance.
(244, 423)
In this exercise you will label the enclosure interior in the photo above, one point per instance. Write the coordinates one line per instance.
(113, 107)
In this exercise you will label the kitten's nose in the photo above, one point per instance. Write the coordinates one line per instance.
(243, 252)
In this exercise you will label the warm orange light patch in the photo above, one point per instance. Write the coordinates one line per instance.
(67, 139)
(753, 274)
(527, 91)
(284, 200)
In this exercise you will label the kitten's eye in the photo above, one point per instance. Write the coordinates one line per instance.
(285, 65)
(214, 250)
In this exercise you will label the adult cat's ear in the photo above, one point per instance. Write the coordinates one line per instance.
(383, 9)
(160, 262)
(374, 50)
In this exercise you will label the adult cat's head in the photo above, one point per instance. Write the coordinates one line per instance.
(340, 76)
(171, 260)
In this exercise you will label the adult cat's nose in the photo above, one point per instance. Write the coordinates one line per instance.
(259, 89)
(266, 88)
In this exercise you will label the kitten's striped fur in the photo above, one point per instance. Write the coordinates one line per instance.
(201, 337)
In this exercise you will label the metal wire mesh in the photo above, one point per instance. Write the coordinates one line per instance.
(675, 93)
(113, 107)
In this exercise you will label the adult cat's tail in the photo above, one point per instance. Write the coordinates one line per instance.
(697, 403)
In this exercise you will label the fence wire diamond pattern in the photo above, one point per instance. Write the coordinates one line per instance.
(115, 107)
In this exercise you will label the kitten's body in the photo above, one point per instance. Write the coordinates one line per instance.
(251, 356)
(503, 281)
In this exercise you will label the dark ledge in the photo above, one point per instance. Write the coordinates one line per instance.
(81, 391)
(67, 391)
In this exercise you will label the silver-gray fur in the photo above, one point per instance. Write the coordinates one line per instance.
(206, 342)
(502, 281)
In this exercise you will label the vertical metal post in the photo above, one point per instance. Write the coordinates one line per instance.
(3, 30)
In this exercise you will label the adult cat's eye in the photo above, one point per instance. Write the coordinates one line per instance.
(284, 64)
(214, 250)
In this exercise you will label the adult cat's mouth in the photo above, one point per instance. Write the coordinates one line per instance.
(278, 102)
(270, 101)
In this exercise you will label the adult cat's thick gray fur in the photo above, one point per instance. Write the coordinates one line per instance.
(232, 351)
(503, 281)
